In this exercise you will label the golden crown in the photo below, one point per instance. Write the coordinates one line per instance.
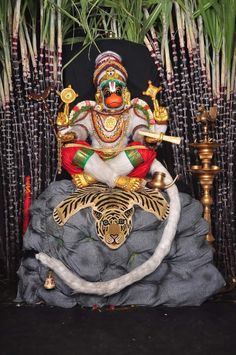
(111, 74)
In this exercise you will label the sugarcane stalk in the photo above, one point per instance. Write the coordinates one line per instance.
(217, 73)
(176, 98)
(2, 96)
(201, 42)
(223, 78)
(231, 76)
(30, 109)
(9, 128)
(3, 166)
(180, 26)
(208, 67)
(53, 99)
(205, 93)
(27, 123)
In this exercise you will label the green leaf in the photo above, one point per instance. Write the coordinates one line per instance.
(150, 21)
(73, 40)
(229, 17)
(212, 20)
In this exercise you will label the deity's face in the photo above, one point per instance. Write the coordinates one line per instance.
(112, 92)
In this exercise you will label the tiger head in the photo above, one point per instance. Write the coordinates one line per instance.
(113, 226)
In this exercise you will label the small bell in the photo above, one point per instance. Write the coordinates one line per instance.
(49, 282)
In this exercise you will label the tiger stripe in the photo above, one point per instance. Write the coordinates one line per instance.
(111, 204)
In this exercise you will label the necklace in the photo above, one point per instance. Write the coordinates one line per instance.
(109, 128)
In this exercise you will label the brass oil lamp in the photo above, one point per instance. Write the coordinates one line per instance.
(206, 171)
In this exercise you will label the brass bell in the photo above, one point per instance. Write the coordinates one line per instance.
(49, 282)
(158, 183)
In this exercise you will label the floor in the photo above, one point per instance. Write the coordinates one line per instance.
(209, 329)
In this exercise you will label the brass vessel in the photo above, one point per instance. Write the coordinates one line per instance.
(206, 171)
(157, 182)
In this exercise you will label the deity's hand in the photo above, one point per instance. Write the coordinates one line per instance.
(67, 137)
(151, 141)
(62, 119)
(161, 115)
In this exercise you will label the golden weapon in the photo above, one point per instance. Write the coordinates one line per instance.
(42, 98)
(160, 113)
(67, 95)
(159, 137)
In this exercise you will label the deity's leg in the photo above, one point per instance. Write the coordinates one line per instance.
(120, 164)
(134, 162)
(86, 167)
(96, 167)
(123, 165)
(105, 173)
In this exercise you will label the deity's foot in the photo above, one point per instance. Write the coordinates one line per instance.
(130, 183)
(83, 180)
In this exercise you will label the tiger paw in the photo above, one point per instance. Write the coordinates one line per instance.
(83, 180)
(129, 183)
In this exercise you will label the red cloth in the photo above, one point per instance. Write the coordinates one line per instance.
(27, 202)
(67, 155)
(140, 171)
(148, 156)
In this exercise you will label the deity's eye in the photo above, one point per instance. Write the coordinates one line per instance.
(105, 222)
(118, 91)
(106, 92)
(121, 221)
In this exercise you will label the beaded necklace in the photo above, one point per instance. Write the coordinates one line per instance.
(109, 128)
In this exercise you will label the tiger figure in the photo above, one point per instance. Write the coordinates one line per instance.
(113, 225)
(112, 210)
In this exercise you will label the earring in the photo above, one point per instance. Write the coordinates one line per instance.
(98, 99)
(127, 97)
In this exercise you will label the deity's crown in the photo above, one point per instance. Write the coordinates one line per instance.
(108, 67)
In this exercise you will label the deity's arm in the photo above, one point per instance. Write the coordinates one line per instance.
(159, 127)
(142, 119)
(79, 121)
(77, 131)
(139, 116)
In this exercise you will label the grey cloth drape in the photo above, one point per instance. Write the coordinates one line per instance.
(187, 275)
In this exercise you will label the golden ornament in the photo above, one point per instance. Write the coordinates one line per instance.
(110, 123)
(160, 113)
(68, 95)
